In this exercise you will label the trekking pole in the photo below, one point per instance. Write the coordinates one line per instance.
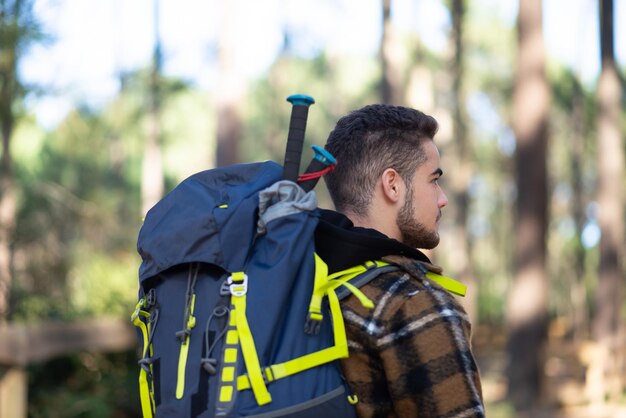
(295, 138)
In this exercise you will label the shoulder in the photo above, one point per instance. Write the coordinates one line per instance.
(405, 303)
(416, 340)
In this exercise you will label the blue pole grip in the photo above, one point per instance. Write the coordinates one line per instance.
(300, 100)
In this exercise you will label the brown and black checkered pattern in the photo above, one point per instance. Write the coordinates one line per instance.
(410, 355)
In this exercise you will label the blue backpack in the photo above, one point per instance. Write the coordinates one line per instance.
(238, 316)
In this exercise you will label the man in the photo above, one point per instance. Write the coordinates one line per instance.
(410, 355)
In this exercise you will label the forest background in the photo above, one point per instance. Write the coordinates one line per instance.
(530, 99)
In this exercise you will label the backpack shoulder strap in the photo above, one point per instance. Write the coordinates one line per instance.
(359, 276)
(367, 274)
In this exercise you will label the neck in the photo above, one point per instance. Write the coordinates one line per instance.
(383, 222)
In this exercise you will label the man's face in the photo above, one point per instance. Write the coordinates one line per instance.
(418, 219)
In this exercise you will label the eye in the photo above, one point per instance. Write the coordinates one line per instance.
(436, 175)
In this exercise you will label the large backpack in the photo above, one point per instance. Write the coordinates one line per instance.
(237, 314)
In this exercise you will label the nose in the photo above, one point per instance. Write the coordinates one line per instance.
(442, 201)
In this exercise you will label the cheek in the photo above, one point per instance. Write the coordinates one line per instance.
(427, 196)
(427, 207)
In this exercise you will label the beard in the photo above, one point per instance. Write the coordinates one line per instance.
(415, 234)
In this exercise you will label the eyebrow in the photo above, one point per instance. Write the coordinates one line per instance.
(437, 172)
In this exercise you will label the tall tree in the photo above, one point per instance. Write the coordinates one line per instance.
(152, 168)
(609, 297)
(577, 157)
(18, 30)
(462, 172)
(230, 89)
(391, 62)
(527, 300)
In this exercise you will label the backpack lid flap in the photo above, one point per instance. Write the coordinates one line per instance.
(210, 217)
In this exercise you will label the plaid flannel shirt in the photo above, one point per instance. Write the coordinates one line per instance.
(410, 355)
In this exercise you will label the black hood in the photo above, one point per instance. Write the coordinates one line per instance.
(342, 245)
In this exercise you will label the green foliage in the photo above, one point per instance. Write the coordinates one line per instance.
(189, 135)
(85, 386)
(330, 81)
(79, 208)
(102, 283)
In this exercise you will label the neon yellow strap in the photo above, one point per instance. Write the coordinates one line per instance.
(447, 283)
(144, 394)
(319, 289)
(343, 277)
(308, 361)
(365, 301)
(325, 286)
(250, 357)
(297, 365)
(144, 388)
(352, 272)
(184, 352)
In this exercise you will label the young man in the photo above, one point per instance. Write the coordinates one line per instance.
(410, 355)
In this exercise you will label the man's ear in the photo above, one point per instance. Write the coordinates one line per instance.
(392, 185)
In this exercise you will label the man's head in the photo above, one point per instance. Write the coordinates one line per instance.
(387, 172)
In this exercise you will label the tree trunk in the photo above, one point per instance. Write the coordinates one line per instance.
(577, 155)
(527, 299)
(152, 168)
(462, 172)
(230, 90)
(8, 92)
(605, 374)
(7, 223)
(391, 61)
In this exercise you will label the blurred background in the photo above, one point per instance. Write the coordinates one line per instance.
(106, 105)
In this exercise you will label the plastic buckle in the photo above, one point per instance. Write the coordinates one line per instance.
(151, 298)
(268, 375)
(323, 156)
(313, 323)
(225, 288)
(238, 287)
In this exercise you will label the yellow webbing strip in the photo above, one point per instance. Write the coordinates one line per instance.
(352, 272)
(365, 301)
(343, 277)
(297, 365)
(339, 329)
(447, 283)
(325, 283)
(184, 352)
(144, 395)
(246, 341)
(144, 388)
(340, 347)
(319, 288)
(227, 382)
(308, 361)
